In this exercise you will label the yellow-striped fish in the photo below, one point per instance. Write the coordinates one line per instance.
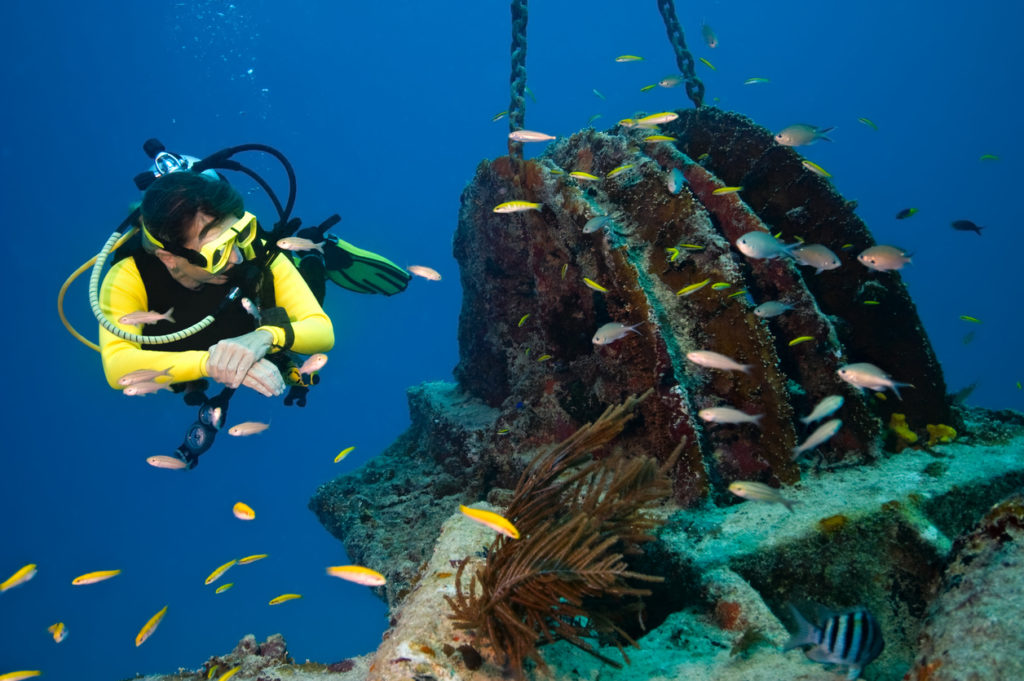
(594, 285)
(738, 293)
(24, 574)
(657, 119)
(727, 190)
(282, 598)
(251, 559)
(19, 675)
(343, 453)
(659, 138)
(215, 575)
(646, 88)
(672, 253)
(580, 175)
(494, 521)
(93, 577)
(522, 320)
(969, 318)
(543, 358)
(224, 587)
(358, 574)
(691, 247)
(59, 631)
(800, 339)
(708, 64)
(516, 206)
(229, 673)
(868, 122)
(213, 670)
(815, 168)
(565, 268)
(719, 286)
(692, 288)
(628, 57)
(149, 627)
(871, 302)
(498, 116)
(620, 169)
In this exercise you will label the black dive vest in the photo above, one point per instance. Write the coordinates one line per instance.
(190, 306)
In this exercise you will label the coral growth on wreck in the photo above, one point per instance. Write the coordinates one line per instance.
(567, 578)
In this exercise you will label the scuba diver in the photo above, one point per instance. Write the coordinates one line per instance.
(202, 292)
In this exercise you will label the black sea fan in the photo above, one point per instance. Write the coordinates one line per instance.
(566, 578)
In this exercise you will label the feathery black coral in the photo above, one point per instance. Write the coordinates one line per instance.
(566, 576)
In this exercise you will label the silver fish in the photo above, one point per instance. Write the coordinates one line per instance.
(613, 331)
(172, 463)
(713, 360)
(865, 375)
(816, 256)
(772, 308)
(828, 405)
(247, 428)
(800, 134)
(851, 639)
(820, 435)
(758, 491)
(529, 136)
(596, 223)
(759, 244)
(729, 415)
(145, 388)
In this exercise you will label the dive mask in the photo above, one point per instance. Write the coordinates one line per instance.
(214, 255)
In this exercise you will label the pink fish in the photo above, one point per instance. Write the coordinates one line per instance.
(143, 375)
(247, 428)
(171, 463)
(145, 388)
(297, 243)
(313, 363)
(425, 272)
(145, 317)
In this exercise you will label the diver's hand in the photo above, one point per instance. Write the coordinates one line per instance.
(265, 378)
(230, 359)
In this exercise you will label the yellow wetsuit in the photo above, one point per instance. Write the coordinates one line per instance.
(123, 292)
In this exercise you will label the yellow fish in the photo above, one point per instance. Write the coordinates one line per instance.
(969, 318)
(719, 286)
(543, 358)
(358, 574)
(20, 577)
(502, 431)
(498, 523)
(708, 64)
(93, 577)
(580, 175)
(627, 122)
(645, 88)
(673, 253)
(251, 559)
(620, 169)
(815, 168)
(628, 57)
(692, 288)
(727, 190)
(516, 206)
(738, 293)
(229, 673)
(659, 138)
(871, 302)
(224, 587)
(800, 339)
(565, 268)
(59, 631)
(282, 598)
(243, 511)
(149, 627)
(868, 122)
(594, 285)
(17, 676)
(215, 575)
(213, 670)
(691, 247)
(498, 116)
(989, 157)
(522, 320)
(343, 453)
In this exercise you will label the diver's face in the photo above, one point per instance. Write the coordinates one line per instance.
(204, 229)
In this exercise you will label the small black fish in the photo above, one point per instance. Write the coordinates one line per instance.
(967, 226)
(905, 213)
(851, 639)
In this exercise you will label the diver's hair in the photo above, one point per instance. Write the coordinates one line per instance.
(172, 201)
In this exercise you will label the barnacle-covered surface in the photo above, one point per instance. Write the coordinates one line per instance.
(534, 263)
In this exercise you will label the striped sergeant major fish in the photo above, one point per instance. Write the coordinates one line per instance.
(849, 639)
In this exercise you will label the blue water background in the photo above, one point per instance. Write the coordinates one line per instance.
(385, 110)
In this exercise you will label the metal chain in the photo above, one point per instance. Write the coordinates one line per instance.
(684, 60)
(517, 80)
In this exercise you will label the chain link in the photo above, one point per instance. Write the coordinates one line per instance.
(684, 60)
(517, 80)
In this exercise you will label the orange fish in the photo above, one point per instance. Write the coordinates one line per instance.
(358, 574)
